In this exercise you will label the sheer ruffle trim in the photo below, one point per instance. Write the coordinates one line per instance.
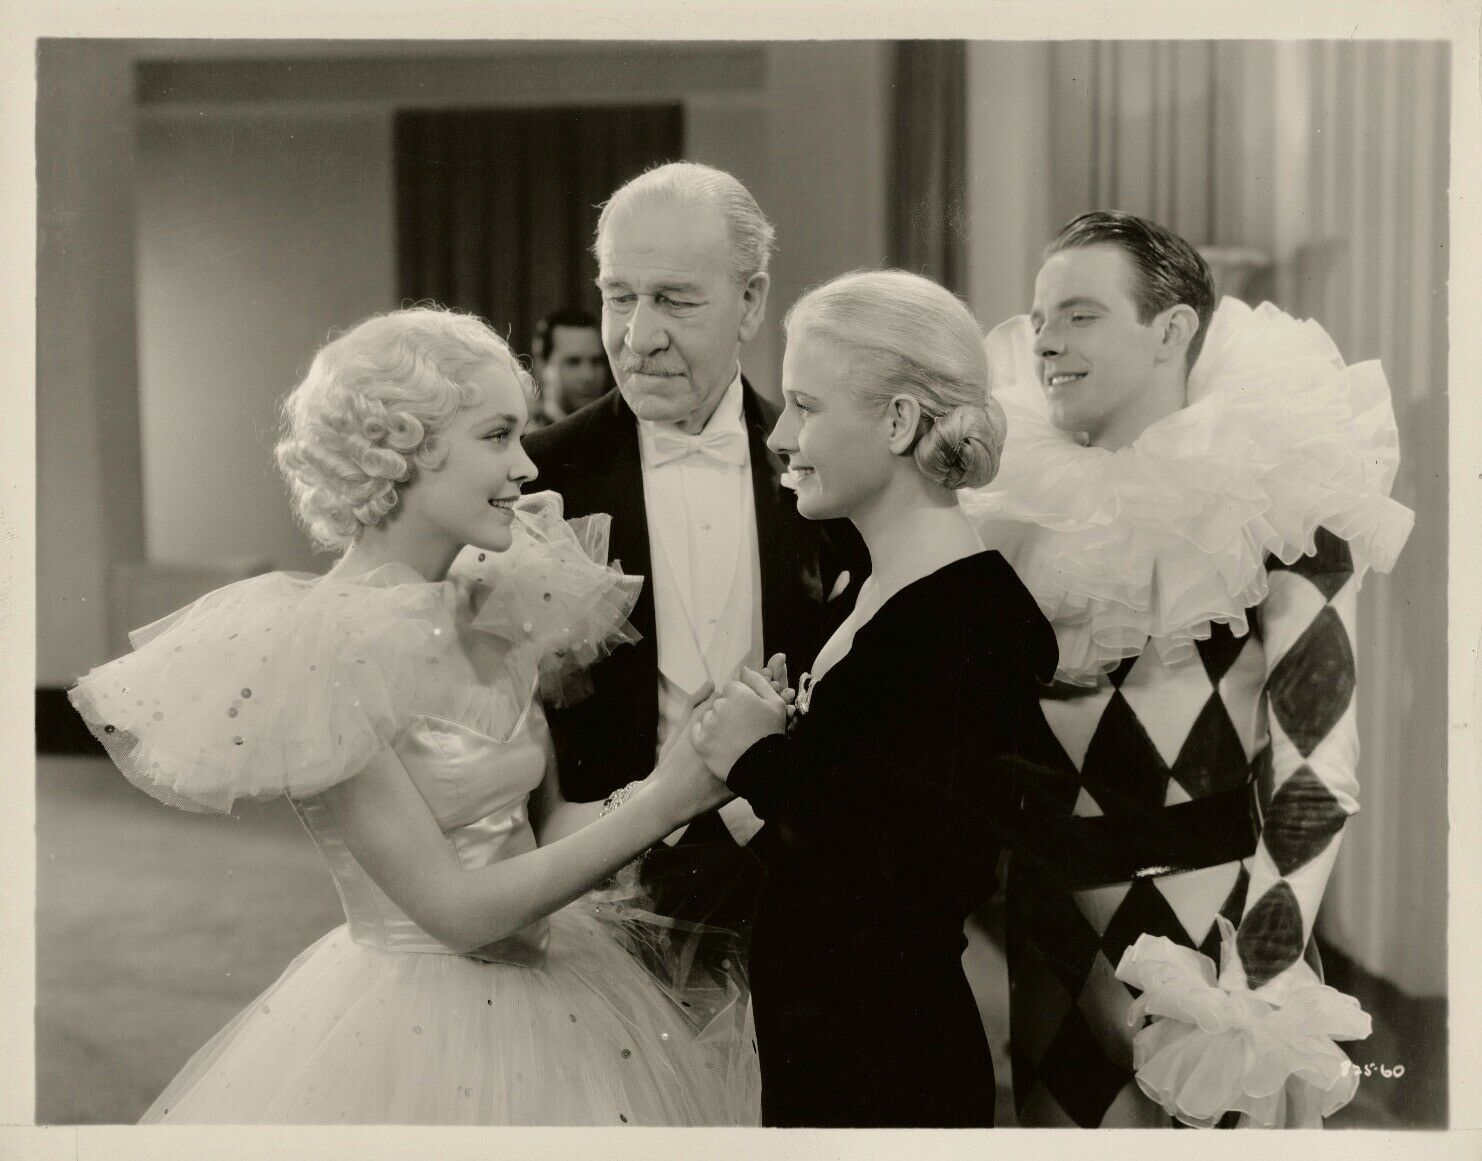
(289, 683)
(1207, 1052)
(554, 596)
(1163, 538)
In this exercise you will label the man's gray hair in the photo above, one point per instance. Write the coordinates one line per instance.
(751, 235)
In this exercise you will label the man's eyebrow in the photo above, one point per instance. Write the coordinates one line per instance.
(1037, 313)
(679, 286)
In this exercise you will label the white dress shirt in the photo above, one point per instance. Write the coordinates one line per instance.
(705, 564)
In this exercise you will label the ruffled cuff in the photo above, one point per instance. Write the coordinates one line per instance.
(1207, 1051)
(1276, 991)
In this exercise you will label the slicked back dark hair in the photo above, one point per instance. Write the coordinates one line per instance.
(1169, 271)
(565, 316)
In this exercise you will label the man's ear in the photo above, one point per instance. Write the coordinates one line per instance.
(1175, 328)
(754, 302)
(904, 416)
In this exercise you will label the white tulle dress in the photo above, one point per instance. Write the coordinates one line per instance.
(289, 684)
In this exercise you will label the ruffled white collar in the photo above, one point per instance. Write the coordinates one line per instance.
(1156, 541)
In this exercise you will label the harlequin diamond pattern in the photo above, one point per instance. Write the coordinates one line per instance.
(1234, 904)
(1061, 1073)
(1166, 710)
(1311, 686)
(1302, 820)
(1219, 652)
(1212, 758)
(1062, 970)
(1082, 1092)
(1059, 793)
(1122, 760)
(1270, 935)
(1265, 776)
(1144, 910)
(1310, 694)
(1064, 940)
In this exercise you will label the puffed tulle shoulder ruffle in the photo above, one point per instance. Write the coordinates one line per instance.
(288, 683)
(1158, 540)
(1207, 1052)
(552, 588)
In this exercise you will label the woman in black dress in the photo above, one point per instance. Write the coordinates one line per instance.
(889, 797)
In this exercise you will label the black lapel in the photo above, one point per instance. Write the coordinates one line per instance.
(772, 529)
(615, 484)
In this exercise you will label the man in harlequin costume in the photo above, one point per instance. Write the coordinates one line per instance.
(1192, 492)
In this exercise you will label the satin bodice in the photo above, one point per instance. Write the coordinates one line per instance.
(478, 791)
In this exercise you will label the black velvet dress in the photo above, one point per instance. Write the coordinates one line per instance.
(888, 805)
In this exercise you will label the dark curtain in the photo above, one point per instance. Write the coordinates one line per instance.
(496, 209)
(928, 190)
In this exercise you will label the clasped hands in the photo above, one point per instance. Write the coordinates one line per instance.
(722, 725)
(741, 713)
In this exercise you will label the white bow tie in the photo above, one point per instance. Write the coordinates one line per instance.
(726, 447)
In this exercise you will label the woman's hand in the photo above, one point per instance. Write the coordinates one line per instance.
(742, 714)
(681, 781)
(776, 674)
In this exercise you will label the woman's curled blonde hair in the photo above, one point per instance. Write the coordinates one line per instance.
(367, 416)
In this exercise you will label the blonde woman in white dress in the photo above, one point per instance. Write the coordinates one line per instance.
(398, 705)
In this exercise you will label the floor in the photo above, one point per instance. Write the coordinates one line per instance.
(154, 927)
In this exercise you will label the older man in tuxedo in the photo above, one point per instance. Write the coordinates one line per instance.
(677, 455)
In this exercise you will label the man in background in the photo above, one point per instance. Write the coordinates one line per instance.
(570, 366)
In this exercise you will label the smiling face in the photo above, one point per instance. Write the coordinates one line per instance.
(1095, 358)
(673, 318)
(470, 498)
(837, 451)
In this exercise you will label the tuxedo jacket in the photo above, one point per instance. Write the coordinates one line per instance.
(592, 459)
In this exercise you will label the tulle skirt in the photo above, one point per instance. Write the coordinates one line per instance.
(355, 1035)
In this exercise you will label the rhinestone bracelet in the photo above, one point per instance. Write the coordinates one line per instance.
(618, 797)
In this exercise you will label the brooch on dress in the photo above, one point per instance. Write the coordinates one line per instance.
(805, 693)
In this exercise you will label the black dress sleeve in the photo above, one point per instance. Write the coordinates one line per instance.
(764, 774)
(934, 711)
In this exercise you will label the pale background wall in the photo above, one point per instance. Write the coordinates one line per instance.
(87, 423)
(257, 237)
